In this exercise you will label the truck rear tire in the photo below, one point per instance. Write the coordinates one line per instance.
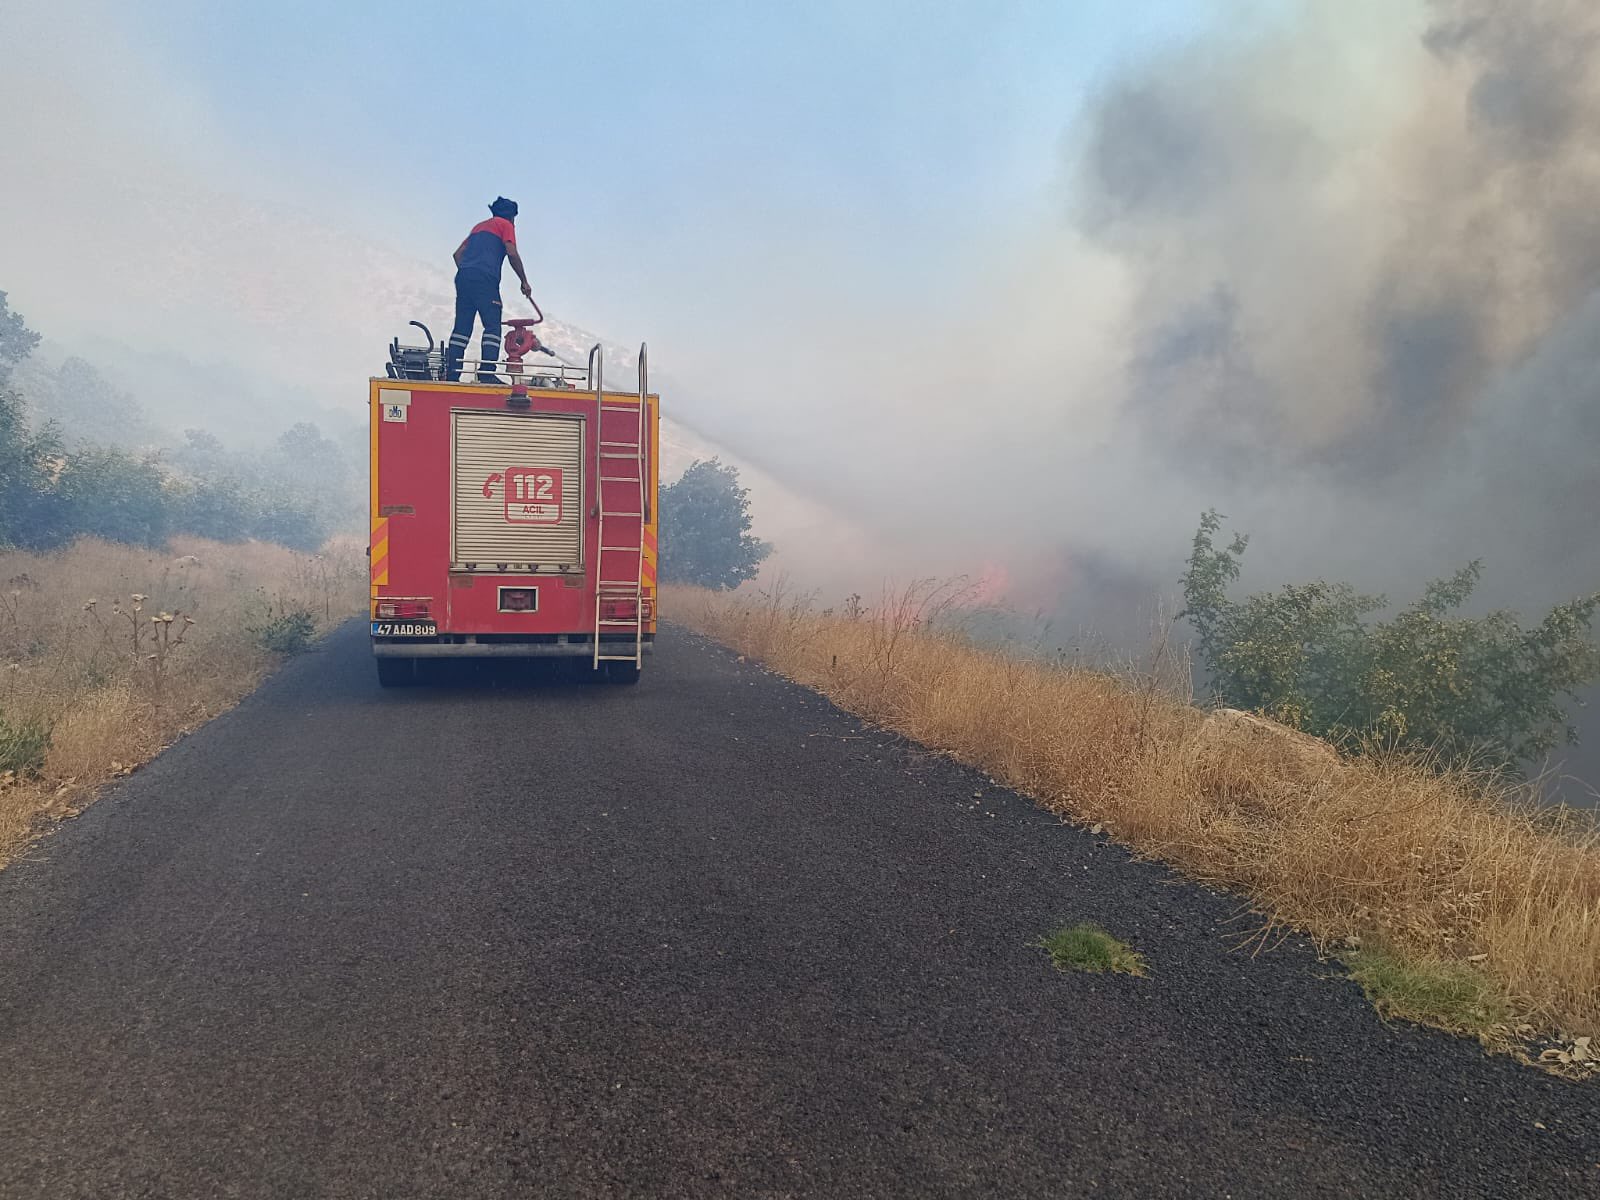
(397, 672)
(622, 672)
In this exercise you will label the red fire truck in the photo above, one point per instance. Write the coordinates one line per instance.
(513, 520)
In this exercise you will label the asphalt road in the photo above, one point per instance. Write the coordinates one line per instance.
(704, 937)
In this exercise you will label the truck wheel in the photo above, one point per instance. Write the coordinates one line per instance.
(397, 672)
(622, 672)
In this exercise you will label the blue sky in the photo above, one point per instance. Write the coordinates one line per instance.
(651, 142)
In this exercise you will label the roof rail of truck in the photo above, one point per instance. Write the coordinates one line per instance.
(417, 363)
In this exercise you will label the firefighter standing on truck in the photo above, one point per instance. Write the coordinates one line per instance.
(478, 261)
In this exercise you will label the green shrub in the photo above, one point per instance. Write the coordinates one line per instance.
(289, 631)
(295, 522)
(1480, 690)
(227, 510)
(23, 746)
(113, 495)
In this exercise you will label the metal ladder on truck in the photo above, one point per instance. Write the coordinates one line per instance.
(621, 504)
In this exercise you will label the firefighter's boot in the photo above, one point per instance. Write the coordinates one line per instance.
(491, 355)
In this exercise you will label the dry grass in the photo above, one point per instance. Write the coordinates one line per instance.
(1373, 851)
(100, 688)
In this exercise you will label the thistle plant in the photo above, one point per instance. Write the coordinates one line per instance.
(152, 639)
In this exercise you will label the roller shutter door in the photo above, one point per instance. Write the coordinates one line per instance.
(518, 492)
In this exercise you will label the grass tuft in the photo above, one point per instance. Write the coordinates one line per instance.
(1447, 995)
(1086, 947)
(23, 747)
(287, 633)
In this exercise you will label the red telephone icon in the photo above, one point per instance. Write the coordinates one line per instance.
(488, 485)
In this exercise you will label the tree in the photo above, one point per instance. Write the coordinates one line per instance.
(27, 516)
(309, 459)
(29, 513)
(1484, 690)
(88, 410)
(705, 529)
(202, 453)
(16, 339)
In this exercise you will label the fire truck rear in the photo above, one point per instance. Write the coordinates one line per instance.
(512, 521)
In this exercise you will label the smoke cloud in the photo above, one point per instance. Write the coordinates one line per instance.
(1363, 251)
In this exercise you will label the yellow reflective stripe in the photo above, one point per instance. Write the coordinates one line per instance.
(380, 550)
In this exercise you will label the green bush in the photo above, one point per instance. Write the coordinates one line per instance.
(112, 495)
(289, 631)
(227, 510)
(295, 522)
(23, 746)
(211, 508)
(1481, 690)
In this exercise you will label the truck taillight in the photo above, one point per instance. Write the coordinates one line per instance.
(392, 610)
(617, 610)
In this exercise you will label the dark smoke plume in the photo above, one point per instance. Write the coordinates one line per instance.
(1344, 257)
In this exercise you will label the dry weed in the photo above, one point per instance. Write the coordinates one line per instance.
(1374, 850)
(113, 651)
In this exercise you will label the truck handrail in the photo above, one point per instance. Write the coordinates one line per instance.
(644, 428)
(597, 380)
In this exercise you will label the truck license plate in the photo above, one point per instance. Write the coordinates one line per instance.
(404, 629)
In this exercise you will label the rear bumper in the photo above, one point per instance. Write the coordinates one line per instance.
(560, 648)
